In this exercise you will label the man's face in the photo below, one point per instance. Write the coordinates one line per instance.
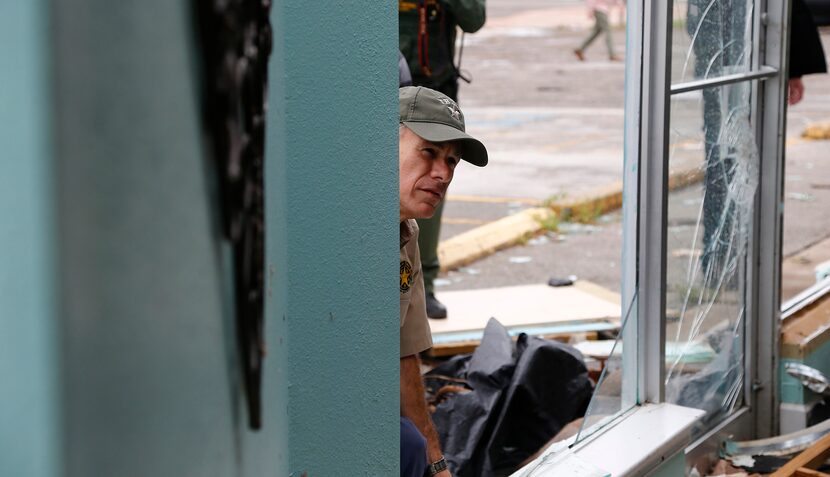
(426, 169)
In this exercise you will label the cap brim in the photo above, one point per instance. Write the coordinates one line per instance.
(472, 150)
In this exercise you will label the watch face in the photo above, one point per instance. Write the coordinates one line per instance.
(438, 466)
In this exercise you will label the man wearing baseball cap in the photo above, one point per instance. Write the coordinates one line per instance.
(432, 140)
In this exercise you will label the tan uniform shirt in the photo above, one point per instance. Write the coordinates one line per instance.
(415, 334)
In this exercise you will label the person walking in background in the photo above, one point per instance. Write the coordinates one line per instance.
(600, 10)
(427, 31)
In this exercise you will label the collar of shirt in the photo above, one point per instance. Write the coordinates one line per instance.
(408, 228)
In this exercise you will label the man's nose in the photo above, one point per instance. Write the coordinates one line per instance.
(441, 171)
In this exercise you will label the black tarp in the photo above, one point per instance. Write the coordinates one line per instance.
(520, 396)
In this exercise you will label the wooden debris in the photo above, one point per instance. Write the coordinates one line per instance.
(802, 472)
(810, 458)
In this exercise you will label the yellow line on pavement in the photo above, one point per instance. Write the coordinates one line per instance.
(574, 142)
(793, 140)
(446, 220)
(492, 200)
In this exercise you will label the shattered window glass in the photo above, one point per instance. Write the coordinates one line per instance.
(709, 225)
(612, 395)
(714, 160)
(714, 165)
(711, 38)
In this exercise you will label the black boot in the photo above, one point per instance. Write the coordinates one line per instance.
(435, 309)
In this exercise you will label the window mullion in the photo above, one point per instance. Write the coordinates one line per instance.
(653, 201)
(771, 195)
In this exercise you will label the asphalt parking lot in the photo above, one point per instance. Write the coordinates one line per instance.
(554, 126)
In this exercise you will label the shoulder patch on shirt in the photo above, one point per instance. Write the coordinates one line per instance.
(406, 276)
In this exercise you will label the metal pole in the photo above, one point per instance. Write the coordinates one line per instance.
(653, 187)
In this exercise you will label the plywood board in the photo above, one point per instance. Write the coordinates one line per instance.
(525, 306)
(806, 331)
(799, 271)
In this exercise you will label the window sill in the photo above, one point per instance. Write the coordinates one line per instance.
(633, 446)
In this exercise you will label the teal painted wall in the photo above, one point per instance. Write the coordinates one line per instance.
(29, 424)
(673, 467)
(792, 391)
(332, 218)
(115, 320)
(149, 363)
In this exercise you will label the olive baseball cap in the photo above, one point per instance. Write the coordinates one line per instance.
(437, 118)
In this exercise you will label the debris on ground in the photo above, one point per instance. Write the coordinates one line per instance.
(575, 228)
(724, 469)
(442, 282)
(811, 378)
(822, 271)
(800, 196)
(499, 405)
(777, 454)
(562, 282)
(540, 240)
(817, 131)
(469, 270)
(522, 259)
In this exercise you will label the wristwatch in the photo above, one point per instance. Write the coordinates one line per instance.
(439, 465)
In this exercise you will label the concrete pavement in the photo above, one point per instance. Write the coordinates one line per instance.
(554, 129)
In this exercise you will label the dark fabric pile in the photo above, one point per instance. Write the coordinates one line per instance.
(507, 401)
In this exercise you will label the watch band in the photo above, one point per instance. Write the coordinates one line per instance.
(439, 465)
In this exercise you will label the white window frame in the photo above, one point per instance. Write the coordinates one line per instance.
(647, 99)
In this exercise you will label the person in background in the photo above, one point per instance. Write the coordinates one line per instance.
(806, 52)
(404, 76)
(427, 34)
(600, 11)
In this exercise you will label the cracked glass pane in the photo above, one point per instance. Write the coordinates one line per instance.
(710, 215)
(609, 398)
(710, 38)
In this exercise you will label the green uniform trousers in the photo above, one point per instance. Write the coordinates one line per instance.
(431, 228)
(428, 245)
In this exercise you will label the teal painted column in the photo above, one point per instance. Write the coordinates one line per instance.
(675, 466)
(116, 326)
(29, 416)
(332, 223)
(148, 352)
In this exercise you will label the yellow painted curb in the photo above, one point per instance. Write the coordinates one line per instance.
(592, 203)
(487, 239)
(817, 131)
(482, 241)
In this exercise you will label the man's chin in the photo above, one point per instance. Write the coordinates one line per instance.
(423, 210)
(427, 212)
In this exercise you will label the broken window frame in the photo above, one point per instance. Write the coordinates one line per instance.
(756, 416)
(647, 101)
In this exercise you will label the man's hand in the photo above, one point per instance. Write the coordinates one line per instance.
(414, 407)
(795, 91)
